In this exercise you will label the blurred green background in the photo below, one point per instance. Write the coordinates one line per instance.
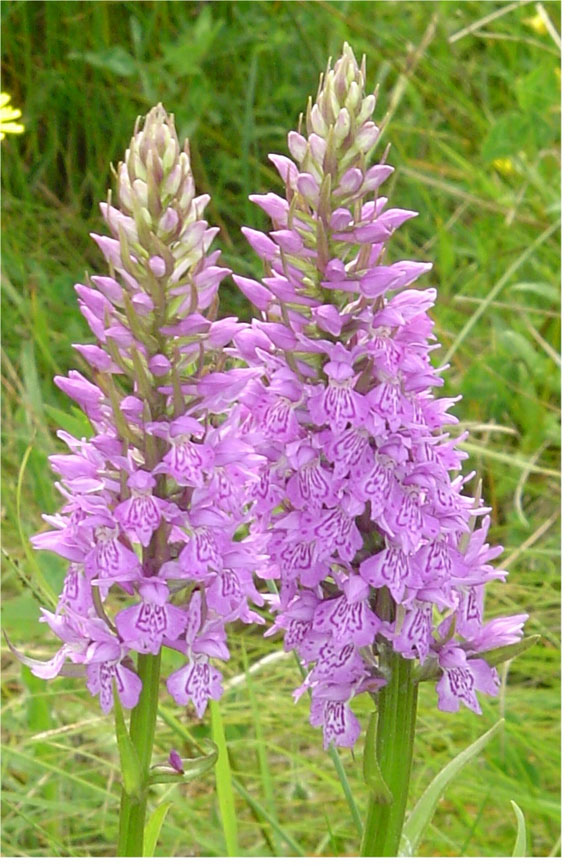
(472, 91)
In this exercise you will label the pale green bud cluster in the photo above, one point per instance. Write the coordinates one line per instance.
(160, 219)
(340, 133)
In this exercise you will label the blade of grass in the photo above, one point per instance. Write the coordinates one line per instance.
(43, 586)
(555, 848)
(511, 460)
(153, 827)
(179, 728)
(346, 790)
(458, 192)
(269, 818)
(538, 533)
(492, 16)
(266, 783)
(39, 718)
(224, 782)
(519, 849)
(54, 840)
(553, 32)
(54, 768)
(423, 811)
(468, 326)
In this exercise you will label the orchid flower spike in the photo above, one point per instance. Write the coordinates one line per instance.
(370, 535)
(154, 497)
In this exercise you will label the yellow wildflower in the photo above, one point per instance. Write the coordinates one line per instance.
(537, 24)
(505, 166)
(8, 115)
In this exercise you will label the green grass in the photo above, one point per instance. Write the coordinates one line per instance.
(474, 128)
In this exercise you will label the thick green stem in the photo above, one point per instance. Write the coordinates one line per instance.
(397, 703)
(143, 723)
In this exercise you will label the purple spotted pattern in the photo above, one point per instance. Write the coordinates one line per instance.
(360, 508)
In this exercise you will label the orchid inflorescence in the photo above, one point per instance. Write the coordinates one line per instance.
(303, 454)
(154, 498)
(360, 504)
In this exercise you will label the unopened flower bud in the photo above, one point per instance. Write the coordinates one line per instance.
(342, 125)
(140, 190)
(351, 181)
(318, 148)
(297, 146)
(367, 136)
(157, 266)
(168, 222)
(159, 365)
(318, 121)
(353, 97)
(367, 109)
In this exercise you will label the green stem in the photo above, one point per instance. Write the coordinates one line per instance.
(143, 723)
(397, 703)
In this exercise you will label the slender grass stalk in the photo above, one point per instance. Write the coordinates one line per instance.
(224, 783)
(142, 728)
(264, 814)
(264, 770)
(333, 752)
(39, 718)
(397, 704)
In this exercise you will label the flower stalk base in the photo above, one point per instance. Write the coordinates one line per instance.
(142, 728)
(395, 730)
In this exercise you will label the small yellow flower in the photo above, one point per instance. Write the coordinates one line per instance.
(8, 115)
(537, 24)
(505, 166)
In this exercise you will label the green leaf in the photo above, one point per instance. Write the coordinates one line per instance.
(372, 772)
(187, 53)
(193, 767)
(75, 422)
(538, 91)
(423, 811)
(514, 132)
(430, 670)
(518, 346)
(115, 59)
(520, 843)
(130, 764)
(505, 653)
(224, 782)
(153, 828)
(550, 291)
